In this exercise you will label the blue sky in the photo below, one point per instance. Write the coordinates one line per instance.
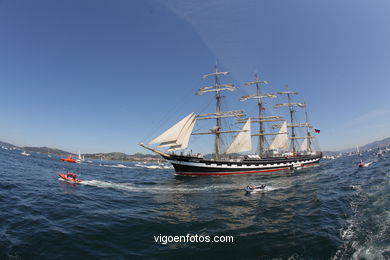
(100, 76)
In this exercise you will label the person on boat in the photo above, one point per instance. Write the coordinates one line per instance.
(361, 164)
(252, 187)
(74, 176)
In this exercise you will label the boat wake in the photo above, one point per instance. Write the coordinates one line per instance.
(268, 189)
(117, 166)
(365, 234)
(154, 166)
(367, 164)
(153, 188)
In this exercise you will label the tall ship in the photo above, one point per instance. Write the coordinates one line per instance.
(280, 148)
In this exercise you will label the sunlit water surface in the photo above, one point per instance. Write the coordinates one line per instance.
(334, 211)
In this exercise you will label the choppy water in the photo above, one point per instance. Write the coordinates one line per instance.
(334, 211)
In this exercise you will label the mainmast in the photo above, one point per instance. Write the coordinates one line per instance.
(217, 110)
(261, 119)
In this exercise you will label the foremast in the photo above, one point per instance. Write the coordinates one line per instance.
(217, 88)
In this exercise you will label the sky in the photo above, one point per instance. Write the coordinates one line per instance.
(102, 76)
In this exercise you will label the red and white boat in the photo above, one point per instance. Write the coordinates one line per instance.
(69, 177)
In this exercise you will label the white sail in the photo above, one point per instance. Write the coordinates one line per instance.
(172, 134)
(243, 141)
(186, 130)
(281, 139)
(289, 105)
(79, 155)
(304, 145)
(184, 138)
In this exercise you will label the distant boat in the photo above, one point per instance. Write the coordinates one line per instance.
(361, 163)
(80, 158)
(48, 153)
(357, 150)
(25, 153)
(119, 166)
(380, 153)
(69, 159)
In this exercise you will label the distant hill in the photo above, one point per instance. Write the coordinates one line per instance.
(382, 143)
(115, 156)
(376, 144)
(46, 150)
(7, 145)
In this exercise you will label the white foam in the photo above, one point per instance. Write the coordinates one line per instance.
(117, 166)
(268, 189)
(348, 232)
(150, 189)
(154, 166)
(367, 164)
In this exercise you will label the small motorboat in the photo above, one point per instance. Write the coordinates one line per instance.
(69, 159)
(364, 164)
(25, 153)
(252, 188)
(380, 153)
(69, 177)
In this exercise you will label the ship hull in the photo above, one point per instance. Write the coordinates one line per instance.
(193, 166)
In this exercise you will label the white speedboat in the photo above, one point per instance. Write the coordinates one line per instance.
(25, 153)
(252, 188)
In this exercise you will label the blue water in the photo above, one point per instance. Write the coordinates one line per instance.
(334, 211)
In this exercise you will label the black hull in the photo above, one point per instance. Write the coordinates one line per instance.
(194, 166)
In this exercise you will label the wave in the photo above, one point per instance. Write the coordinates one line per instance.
(154, 166)
(169, 189)
(153, 189)
(366, 234)
(268, 189)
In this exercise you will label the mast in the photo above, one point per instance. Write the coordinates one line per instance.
(307, 129)
(177, 136)
(292, 120)
(217, 88)
(217, 110)
(259, 95)
(260, 106)
(291, 106)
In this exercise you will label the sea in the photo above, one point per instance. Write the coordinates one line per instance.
(126, 210)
